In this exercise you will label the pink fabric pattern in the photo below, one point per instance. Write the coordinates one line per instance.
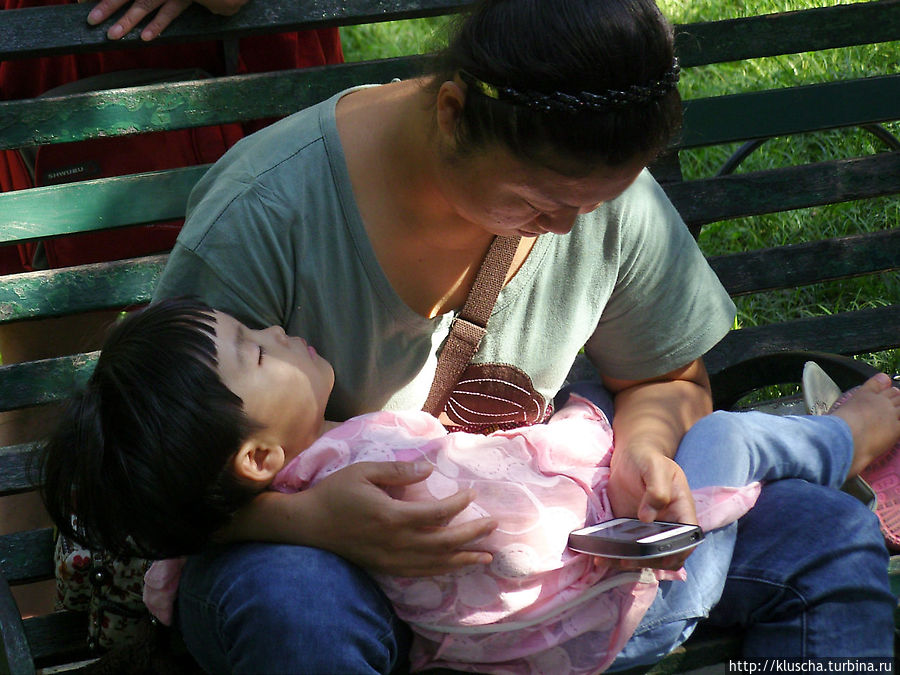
(538, 607)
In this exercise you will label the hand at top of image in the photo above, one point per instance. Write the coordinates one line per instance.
(166, 11)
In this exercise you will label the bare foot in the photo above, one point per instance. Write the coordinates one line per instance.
(873, 414)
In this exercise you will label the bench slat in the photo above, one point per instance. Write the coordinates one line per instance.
(130, 282)
(162, 195)
(808, 263)
(857, 332)
(27, 556)
(848, 333)
(754, 193)
(789, 33)
(41, 31)
(178, 105)
(58, 638)
(151, 197)
(61, 29)
(69, 290)
(779, 112)
(16, 473)
(45, 381)
(16, 658)
(157, 107)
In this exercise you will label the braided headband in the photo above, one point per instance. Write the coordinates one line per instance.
(558, 101)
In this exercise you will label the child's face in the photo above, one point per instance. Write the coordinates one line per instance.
(283, 383)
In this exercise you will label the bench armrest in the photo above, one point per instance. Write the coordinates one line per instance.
(739, 379)
(16, 656)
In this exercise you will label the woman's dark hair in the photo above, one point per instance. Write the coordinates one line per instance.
(567, 84)
(140, 457)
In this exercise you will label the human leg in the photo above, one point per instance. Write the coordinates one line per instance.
(808, 577)
(754, 446)
(255, 607)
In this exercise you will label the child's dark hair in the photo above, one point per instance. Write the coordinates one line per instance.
(567, 84)
(140, 457)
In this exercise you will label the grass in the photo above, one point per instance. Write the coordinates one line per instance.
(419, 36)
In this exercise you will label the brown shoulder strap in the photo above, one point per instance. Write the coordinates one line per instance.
(470, 325)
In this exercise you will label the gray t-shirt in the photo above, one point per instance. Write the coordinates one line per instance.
(274, 236)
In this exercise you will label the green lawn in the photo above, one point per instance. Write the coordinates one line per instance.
(406, 37)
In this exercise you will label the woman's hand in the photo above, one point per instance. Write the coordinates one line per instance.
(166, 12)
(349, 513)
(360, 522)
(644, 483)
(650, 419)
(648, 485)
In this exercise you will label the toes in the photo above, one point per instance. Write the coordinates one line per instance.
(878, 383)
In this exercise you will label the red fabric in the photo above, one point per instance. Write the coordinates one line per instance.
(28, 78)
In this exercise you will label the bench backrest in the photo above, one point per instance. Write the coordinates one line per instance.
(157, 196)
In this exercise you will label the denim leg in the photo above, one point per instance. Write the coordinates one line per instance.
(735, 449)
(808, 577)
(256, 607)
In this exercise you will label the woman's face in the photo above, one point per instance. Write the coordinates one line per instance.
(506, 196)
(282, 381)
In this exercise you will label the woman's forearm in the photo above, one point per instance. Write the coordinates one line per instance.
(651, 417)
(657, 414)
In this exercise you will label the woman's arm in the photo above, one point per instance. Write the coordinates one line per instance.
(650, 419)
(350, 514)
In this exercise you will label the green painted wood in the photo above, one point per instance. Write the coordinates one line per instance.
(48, 30)
(849, 333)
(70, 290)
(754, 193)
(63, 28)
(246, 97)
(808, 263)
(894, 574)
(117, 112)
(779, 112)
(152, 197)
(46, 381)
(27, 556)
(15, 468)
(789, 33)
(58, 638)
(162, 195)
(16, 657)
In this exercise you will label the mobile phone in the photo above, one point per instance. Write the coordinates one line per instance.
(632, 538)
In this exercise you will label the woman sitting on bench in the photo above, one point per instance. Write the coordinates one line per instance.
(360, 223)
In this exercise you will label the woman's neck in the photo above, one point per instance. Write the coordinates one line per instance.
(389, 140)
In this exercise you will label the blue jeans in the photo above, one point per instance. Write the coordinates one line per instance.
(808, 574)
(803, 574)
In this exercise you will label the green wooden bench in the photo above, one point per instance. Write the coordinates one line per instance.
(746, 359)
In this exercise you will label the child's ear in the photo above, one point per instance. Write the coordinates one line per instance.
(258, 462)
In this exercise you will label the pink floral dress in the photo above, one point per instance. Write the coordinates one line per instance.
(538, 607)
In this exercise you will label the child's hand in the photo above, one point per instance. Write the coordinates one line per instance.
(356, 519)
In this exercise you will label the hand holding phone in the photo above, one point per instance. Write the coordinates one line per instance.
(633, 539)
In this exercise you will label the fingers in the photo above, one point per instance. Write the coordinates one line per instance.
(168, 11)
(393, 473)
(103, 10)
(166, 15)
(657, 496)
(671, 563)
